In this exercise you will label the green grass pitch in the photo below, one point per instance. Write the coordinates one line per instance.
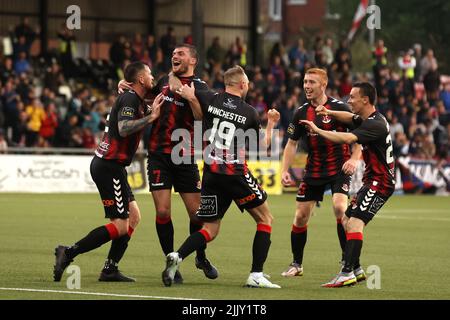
(409, 241)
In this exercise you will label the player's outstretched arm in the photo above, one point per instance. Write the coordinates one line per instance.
(288, 157)
(351, 164)
(188, 93)
(336, 137)
(128, 127)
(273, 116)
(341, 116)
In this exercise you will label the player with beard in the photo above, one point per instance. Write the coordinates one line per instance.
(328, 164)
(228, 120)
(163, 173)
(123, 132)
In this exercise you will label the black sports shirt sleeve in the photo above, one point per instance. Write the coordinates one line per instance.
(295, 130)
(128, 107)
(205, 98)
(370, 130)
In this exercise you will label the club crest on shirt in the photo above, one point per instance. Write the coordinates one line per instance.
(291, 129)
(128, 112)
(229, 104)
(326, 119)
(345, 187)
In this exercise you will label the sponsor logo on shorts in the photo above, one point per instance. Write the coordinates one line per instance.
(108, 203)
(199, 185)
(376, 205)
(208, 206)
(157, 184)
(345, 187)
(247, 199)
(302, 190)
(354, 203)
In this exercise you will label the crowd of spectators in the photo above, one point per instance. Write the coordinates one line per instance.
(46, 105)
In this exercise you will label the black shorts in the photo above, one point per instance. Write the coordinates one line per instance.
(367, 202)
(111, 180)
(313, 189)
(219, 190)
(163, 174)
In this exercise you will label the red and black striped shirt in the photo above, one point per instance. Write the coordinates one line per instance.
(373, 133)
(325, 158)
(176, 113)
(128, 106)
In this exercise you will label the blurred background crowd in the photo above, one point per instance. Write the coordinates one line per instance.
(58, 100)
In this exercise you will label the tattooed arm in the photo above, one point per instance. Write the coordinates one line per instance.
(128, 127)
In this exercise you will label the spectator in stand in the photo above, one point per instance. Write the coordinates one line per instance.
(445, 96)
(138, 46)
(277, 71)
(21, 47)
(67, 133)
(22, 65)
(278, 50)
(49, 124)
(327, 51)
(242, 49)
(428, 63)
(67, 51)
(26, 31)
(7, 70)
(35, 113)
(54, 78)
(298, 56)
(379, 58)
(88, 137)
(11, 110)
(407, 63)
(418, 56)
(215, 56)
(432, 81)
(343, 55)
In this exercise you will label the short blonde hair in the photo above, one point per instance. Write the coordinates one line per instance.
(233, 75)
(320, 72)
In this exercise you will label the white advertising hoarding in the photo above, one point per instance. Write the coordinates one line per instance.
(45, 173)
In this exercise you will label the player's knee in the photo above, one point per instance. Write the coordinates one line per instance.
(163, 212)
(339, 211)
(301, 219)
(121, 226)
(135, 216)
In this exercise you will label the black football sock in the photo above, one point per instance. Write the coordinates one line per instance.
(341, 235)
(164, 228)
(194, 242)
(352, 250)
(261, 245)
(299, 236)
(194, 227)
(118, 247)
(93, 240)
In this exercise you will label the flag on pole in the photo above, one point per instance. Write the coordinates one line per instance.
(359, 15)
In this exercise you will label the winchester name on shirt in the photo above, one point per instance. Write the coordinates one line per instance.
(227, 120)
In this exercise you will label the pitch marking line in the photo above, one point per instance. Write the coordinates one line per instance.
(97, 294)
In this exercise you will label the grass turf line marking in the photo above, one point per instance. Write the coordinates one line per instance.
(97, 294)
